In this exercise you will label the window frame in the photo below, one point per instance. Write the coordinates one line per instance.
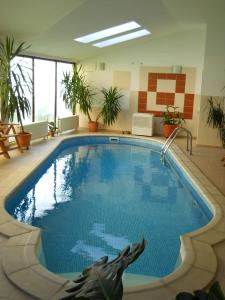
(55, 79)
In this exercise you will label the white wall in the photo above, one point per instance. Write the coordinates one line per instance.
(214, 61)
(213, 79)
(182, 48)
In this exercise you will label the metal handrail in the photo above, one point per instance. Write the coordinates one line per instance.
(172, 137)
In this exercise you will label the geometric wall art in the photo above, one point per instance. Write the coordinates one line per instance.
(166, 89)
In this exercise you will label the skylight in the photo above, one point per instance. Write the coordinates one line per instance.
(122, 38)
(108, 32)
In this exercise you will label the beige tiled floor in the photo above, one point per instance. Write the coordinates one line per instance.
(11, 171)
(208, 160)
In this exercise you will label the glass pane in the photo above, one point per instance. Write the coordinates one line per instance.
(44, 89)
(62, 111)
(26, 67)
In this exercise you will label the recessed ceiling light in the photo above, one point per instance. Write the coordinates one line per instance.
(122, 38)
(108, 32)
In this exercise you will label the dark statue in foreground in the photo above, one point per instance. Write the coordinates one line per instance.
(103, 280)
(215, 293)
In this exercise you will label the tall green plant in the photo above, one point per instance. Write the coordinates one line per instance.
(71, 83)
(77, 91)
(111, 105)
(86, 100)
(15, 83)
(216, 117)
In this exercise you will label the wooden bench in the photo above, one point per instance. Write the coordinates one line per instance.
(8, 130)
(3, 147)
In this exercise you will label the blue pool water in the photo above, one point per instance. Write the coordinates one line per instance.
(92, 198)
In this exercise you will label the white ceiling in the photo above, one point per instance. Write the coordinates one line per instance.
(51, 25)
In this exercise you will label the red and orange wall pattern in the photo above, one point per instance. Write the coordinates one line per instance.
(166, 89)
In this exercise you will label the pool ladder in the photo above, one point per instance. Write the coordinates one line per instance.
(172, 137)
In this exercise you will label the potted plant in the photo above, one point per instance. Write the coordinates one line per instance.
(52, 128)
(111, 105)
(77, 91)
(172, 118)
(86, 106)
(15, 85)
(72, 88)
(216, 117)
(109, 111)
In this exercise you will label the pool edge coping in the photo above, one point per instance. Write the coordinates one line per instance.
(28, 267)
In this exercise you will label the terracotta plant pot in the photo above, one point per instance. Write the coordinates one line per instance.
(51, 133)
(24, 139)
(93, 126)
(168, 129)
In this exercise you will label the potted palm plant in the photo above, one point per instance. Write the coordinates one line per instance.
(86, 105)
(77, 91)
(172, 118)
(216, 117)
(110, 107)
(15, 85)
(72, 84)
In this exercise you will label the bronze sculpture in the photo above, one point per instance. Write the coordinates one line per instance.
(103, 280)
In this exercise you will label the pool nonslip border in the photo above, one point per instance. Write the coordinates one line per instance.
(199, 262)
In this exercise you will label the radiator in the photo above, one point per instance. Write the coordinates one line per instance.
(142, 124)
(68, 123)
(38, 129)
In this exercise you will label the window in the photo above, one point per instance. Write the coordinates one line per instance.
(62, 111)
(46, 97)
(44, 90)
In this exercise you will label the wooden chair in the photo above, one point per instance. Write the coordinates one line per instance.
(8, 130)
